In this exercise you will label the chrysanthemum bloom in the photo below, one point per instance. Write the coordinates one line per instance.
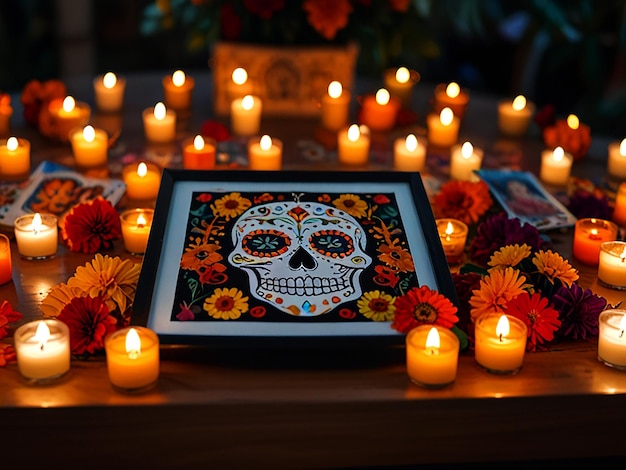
(421, 305)
(352, 204)
(553, 266)
(58, 297)
(226, 304)
(89, 322)
(580, 309)
(496, 290)
(92, 226)
(509, 256)
(7, 316)
(541, 319)
(466, 201)
(231, 205)
(377, 305)
(327, 16)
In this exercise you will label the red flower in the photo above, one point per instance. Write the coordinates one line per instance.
(421, 305)
(204, 197)
(185, 313)
(92, 226)
(541, 319)
(89, 322)
(215, 130)
(7, 354)
(381, 199)
(37, 95)
(7, 316)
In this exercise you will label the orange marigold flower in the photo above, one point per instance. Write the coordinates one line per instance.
(541, 319)
(92, 226)
(352, 204)
(199, 254)
(553, 266)
(496, 290)
(396, 257)
(463, 200)
(421, 305)
(327, 16)
(509, 256)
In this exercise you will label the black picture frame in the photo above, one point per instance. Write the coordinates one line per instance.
(162, 277)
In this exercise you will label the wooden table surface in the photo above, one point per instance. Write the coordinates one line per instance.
(302, 408)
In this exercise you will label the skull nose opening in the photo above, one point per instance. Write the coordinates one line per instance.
(302, 259)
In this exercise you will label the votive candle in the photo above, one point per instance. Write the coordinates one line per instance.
(159, 124)
(612, 265)
(514, 116)
(239, 85)
(335, 107)
(464, 160)
(245, 115)
(136, 225)
(400, 83)
(6, 266)
(453, 237)
(451, 96)
(90, 146)
(265, 153)
(612, 338)
(432, 355)
(556, 166)
(409, 154)
(379, 112)
(109, 92)
(15, 158)
(589, 234)
(617, 160)
(199, 153)
(36, 236)
(619, 211)
(500, 343)
(443, 128)
(354, 145)
(178, 90)
(142, 181)
(68, 114)
(43, 350)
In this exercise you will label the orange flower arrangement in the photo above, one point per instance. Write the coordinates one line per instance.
(36, 97)
(571, 134)
(466, 201)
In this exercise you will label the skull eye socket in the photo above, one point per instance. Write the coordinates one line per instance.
(265, 243)
(332, 243)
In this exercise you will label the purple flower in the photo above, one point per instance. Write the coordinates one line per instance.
(579, 309)
(585, 204)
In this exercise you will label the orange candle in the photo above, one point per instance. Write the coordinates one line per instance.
(443, 128)
(619, 212)
(500, 343)
(159, 124)
(265, 153)
(199, 153)
(15, 158)
(451, 96)
(432, 356)
(514, 116)
(90, 147)
(379, 112)
(136, 224)
(109, 92)
(354, 145)
(6, 267)
(589, 234)
(132, 358)
(177, 89)
(400, 83)
(142, 181)
(67, 115)
(453, 236)
(617, 160)
(409, 154)
(335, 107)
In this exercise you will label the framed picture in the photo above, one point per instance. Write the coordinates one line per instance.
(267, 258)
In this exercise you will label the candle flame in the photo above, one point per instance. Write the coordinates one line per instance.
(265, 143)
(198, 142)
(446, 116)
(449, 229)
(503, 327)
(142, 170)
(89, 133)
(519, 103)
(178, 78)
(133, 344)
(247, 102)
(403, 75)
(141, 220)
(109, 80)
(467, 150)
(12, 144)
(36, 223)
(240, 76)
(573, 121)
(69, 104)
(335, 89)
(411, 143)
(42, 334)
(159, 111)
(433, 341)
(558, 154)
(622, 148)
(382, 97)
(354, 133)
(453, 90)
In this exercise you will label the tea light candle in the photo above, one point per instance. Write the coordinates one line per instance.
(265, 153)
(379, 112)
(612, 267)
(15, 158)
(240, 84)
(199, 153)
(159, 124)
(611, 338)
(43, 350)
(335, 107)
(514, 116)
(132, 356)
(556, 166)
(451, 96)
(409, 154)
(142, 181)
(136, 224)
(6, 111)
(400, 83)
(619, 211)
(464, 160)
(90, 147)
(177, 89)
(245, 115)
(354, 145)
(6, 266)
(453, 236)
(617, 160)
(443, 128)
(67, 115)
(589, 234)
(500, 343)
(36, 236)
(109, 92)
(432, 355)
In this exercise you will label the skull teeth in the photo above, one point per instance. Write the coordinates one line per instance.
(304, 285)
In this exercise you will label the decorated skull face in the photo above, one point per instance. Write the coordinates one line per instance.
(304, 258)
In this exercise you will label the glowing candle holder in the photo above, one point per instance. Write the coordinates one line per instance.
(400, 83)
(245, 115)
(432, 355)
(15, 158)
(142, 181)
(199, 153)
(240, 84)
(265, 153)
(136, 225)
(109, 92)
(612, 338)
(556, 166)
(43, 350)
(335, 107)
(464, 160)
(617, 160)
(409, 154)
(132, 359)
(68, 114)
(379, 112)
(6, 266)
(354, 145)
(159, 124)
(443, 128)
(514, 116)
(453, 236)
(589, 234)
(451, 96)
(36, 236)
(612, 265)
(178, 89)
(90, 147)
(500, 343)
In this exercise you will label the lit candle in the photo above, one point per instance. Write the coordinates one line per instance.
(6, 111)
(335, 107)
(6, 266)
(245, 115)
(136, 224)
(199, 153)
(240, 84)
(89, 146)
(612, 339)
(265, 153)
(142, 181)
(354, 145)
(43, 350)
(15, 158)
(453, 236)
(36, 236)
(109, 92)
(617, 160)
(159, 124)
(432, 355)
(589, 234)
(514, 116)
(132, 358)
(177, 89)
(451, 96)
(67, 115)
(500, 343)
(619, 211)
(612, 267)
(400, 83)
(464, 160)
(379, 112)
(556, 166)
(409, 154)
(443, 128)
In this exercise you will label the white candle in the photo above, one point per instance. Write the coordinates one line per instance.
(36, 236)
(15, 158)
(90, 147)
(612, 338)
(136, 224)
(443, 128)
(500, 343)
(514, 116)
(159, 124)
(464, 160)
(556, 166)
(409, 154)
(265, 153)
(335, 107)
(245, 115)
(43, 349)
(354, 145)
(109, 90)
(612, 267)
(617, 160)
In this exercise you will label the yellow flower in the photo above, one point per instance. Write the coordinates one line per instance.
(377, 306)
(113, 278)
(509, 256)
(553, 266)
(226, 304)
(231, 205)
(58, 297)
(495, 291)
(352, 204)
